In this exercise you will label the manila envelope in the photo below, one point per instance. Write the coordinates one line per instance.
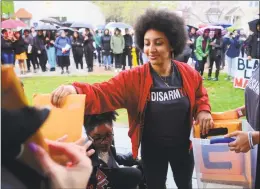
(66, 120)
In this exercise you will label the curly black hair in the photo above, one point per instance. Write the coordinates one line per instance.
(92, 121)
(164, 21)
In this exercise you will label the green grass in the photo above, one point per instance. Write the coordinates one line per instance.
(222, 95)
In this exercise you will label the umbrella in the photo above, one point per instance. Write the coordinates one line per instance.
(45, 27)
(100, 27)
(232, 28)
(12, 24)
(67, 29)
(204, 25)
(119, 25)
(50, 21)
(81, 25)
(252, 25)
(211, 28)
(67, 24)
(223, 24)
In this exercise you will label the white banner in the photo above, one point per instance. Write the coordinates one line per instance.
(243, 71)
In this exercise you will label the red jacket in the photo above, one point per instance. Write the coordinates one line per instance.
(130, 89)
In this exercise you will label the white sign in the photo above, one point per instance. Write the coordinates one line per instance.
(243, 71)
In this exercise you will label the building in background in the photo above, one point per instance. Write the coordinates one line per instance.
(24, 16)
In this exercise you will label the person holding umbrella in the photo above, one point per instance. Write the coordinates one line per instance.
(50, 49)
(20, 51)
(40, 51)
(77, 49)
(63, 46)
(89, 49)
(117, 44)
(254, 41)
(28, 39)
(215, 54)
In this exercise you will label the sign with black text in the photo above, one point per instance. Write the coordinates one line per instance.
(243, 71)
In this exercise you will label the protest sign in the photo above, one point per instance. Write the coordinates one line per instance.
(243, 71)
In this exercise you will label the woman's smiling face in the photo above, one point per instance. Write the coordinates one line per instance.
(157, 47)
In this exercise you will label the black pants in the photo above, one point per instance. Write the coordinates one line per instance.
(89, 56)
(112, 58)
(242, 51)
(118, 60)
(30, 61)
(155, 160)
(139, 56)
(99, 55)
(78, 59)
(217, 60)
(123, 178)
(42, 59)
(128, 53)
(201, 66)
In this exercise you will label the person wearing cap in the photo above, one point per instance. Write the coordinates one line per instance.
(28, 39)
(20, 51)
(117, 44)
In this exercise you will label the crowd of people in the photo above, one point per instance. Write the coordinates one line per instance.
(40, 47)
(169, 96)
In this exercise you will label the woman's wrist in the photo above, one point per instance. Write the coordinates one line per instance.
(255, 136)
(240, 112)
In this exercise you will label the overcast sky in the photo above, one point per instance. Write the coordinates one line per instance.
(81, 11)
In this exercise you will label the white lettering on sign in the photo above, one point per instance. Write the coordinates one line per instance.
(243, 71)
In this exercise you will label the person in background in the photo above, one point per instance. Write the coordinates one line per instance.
(63, 46)
(89, 49)
(50, 49)
(254, 44)
(215, 50)
(33, 32)
(20, 51)
(128, 49)
(106, 49)
(192, 38)
(40, 51)
(7, 53)
(112, 54)
(243, 42)
(28, 39)
(117, 44)
(160, 125)
(202, 51)
(97, 39)
(99, 129)
(232, 52)
(77, 49)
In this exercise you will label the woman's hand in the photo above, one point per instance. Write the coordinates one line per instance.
(74, 176)
(62, 91)
(82, 144)
(204, 119)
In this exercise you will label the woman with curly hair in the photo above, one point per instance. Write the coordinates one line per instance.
(162, 98)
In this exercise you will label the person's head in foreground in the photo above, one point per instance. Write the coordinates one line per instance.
(100, 128)
(161, 35)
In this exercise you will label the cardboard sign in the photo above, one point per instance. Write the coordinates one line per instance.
(65, 120)
(243, 71)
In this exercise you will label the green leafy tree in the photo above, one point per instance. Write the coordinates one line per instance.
(128, 11)
(8, 8)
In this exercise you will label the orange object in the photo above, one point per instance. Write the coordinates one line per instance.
(228, 115)
(67, 120)
(13, 97)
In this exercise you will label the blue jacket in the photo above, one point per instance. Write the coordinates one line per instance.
(234, 47)
(60, 43)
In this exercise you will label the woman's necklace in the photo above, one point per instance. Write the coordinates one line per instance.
(165, 78)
